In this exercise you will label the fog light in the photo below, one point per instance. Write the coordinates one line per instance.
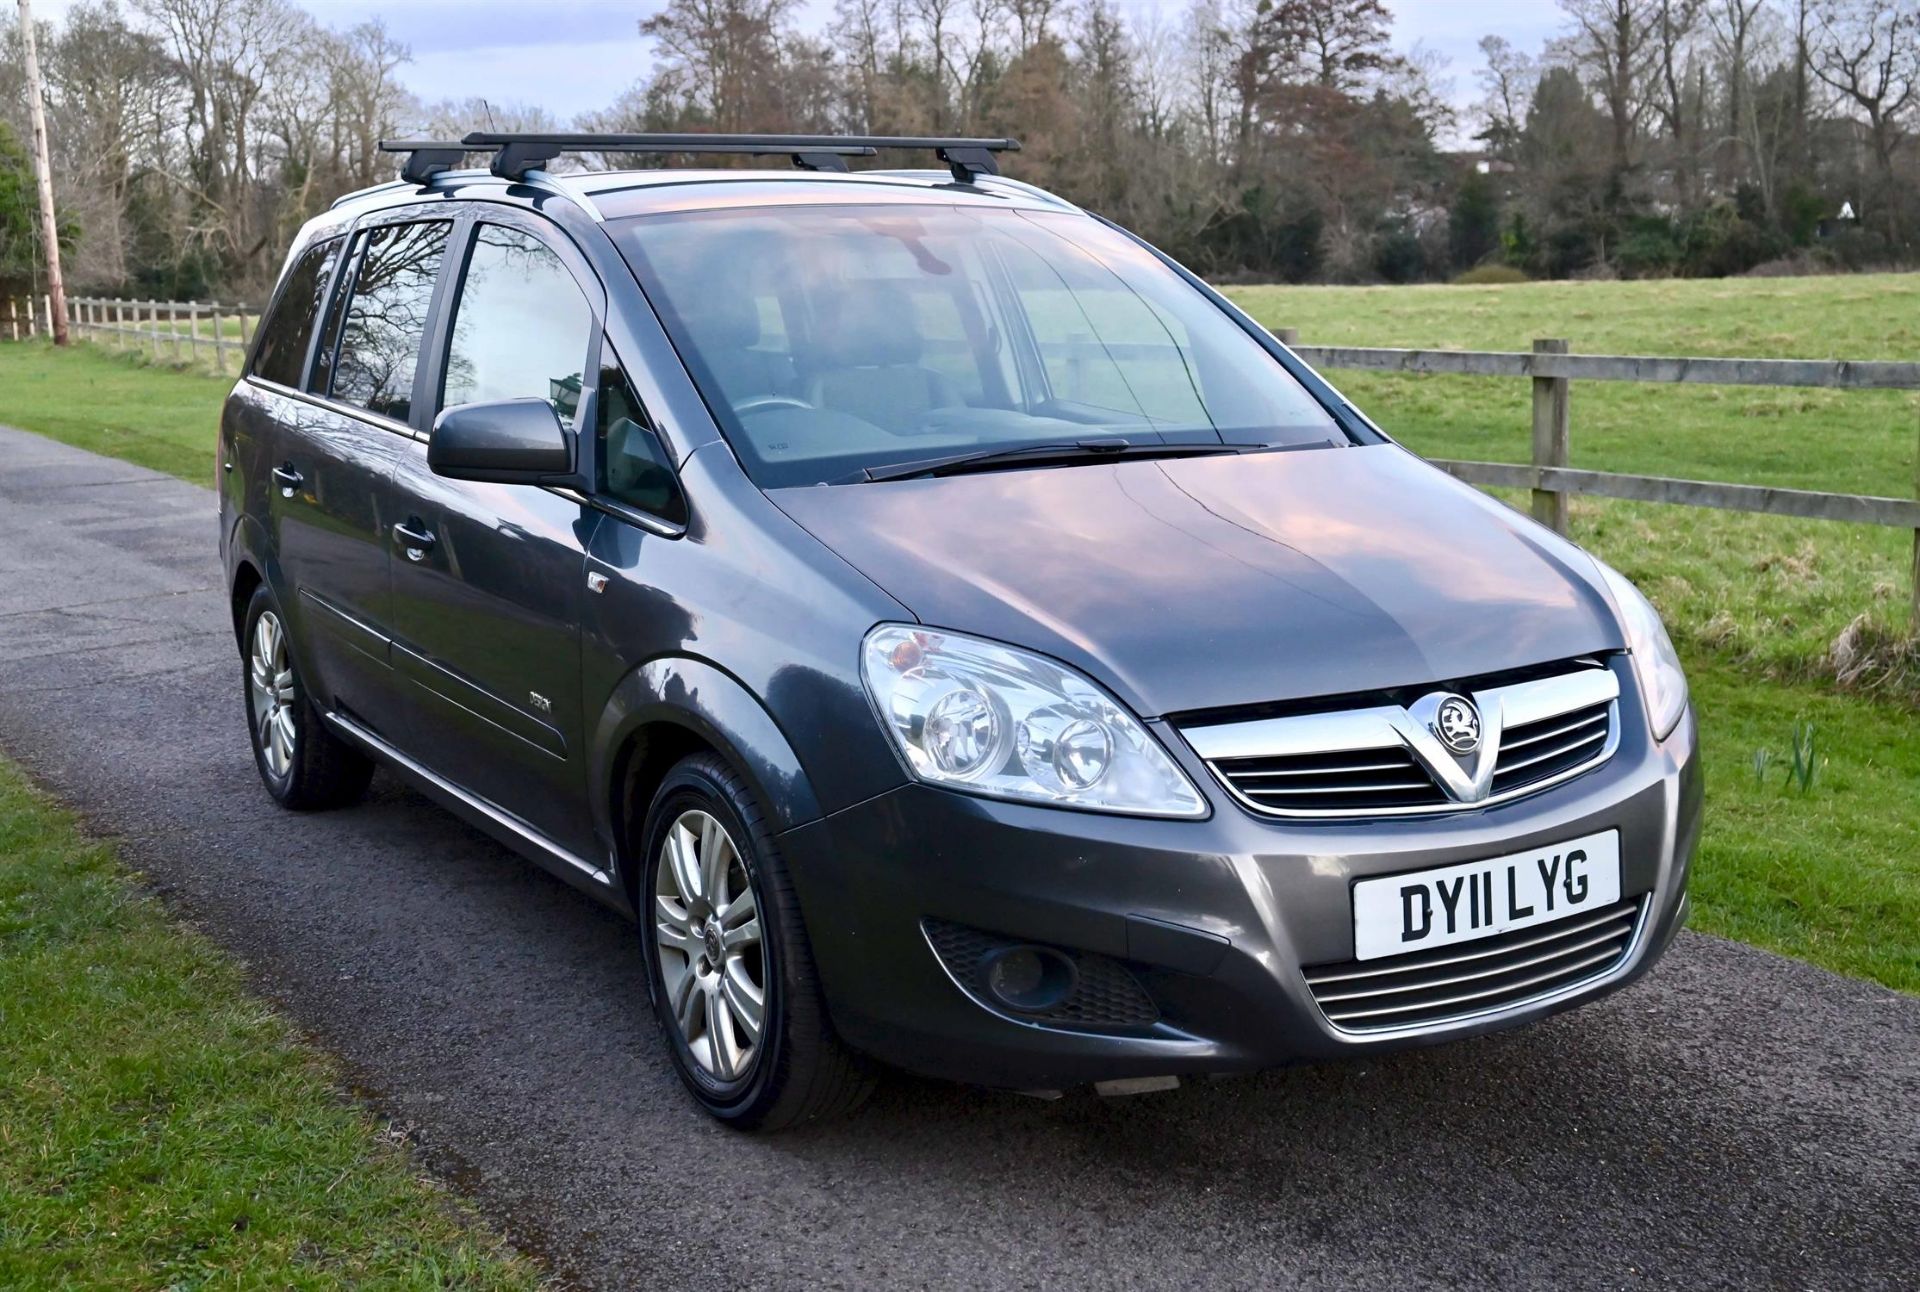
(1029, 979)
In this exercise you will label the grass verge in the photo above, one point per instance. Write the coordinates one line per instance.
(117, 404)
(160, 1127)
(1831, 874)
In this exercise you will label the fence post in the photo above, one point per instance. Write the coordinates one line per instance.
(1550, 434)
(13, 317)
(1287, 336)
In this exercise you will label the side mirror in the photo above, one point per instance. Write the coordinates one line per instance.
(506, 441)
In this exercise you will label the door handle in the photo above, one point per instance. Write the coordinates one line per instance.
(288, 479)
(415, 537)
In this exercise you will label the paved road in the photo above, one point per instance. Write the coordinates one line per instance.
(1737, 1120)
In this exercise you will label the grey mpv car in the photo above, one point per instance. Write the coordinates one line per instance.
(959, 636)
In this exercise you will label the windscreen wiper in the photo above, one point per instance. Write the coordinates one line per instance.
(1106, 448)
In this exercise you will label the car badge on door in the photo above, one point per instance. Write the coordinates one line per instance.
(1457, 723)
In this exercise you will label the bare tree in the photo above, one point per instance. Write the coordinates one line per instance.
(1612, 42)
(1506, 92)
(1869, 52)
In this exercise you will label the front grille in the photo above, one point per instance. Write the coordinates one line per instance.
(1350, 781)
(1105, 994)
(1429, 987)
(1377, 759)
(1538, 751)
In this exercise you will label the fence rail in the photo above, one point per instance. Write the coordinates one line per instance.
(1552, 479)
(174, 330)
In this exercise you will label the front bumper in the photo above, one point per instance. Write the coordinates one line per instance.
(1213, 918)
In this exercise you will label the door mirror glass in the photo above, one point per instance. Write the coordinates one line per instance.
(506, 441)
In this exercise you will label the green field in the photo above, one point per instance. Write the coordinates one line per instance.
(1773, 593)
(161, 1128)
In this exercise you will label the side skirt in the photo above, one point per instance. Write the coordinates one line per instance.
(508, 829)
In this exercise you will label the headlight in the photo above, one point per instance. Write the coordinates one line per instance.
(1654, 660)
(994, 720)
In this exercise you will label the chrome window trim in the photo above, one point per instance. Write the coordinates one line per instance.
(1393, 727)
(376, 421)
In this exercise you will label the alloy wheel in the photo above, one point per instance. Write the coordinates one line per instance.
(707, 938)
(270, 676)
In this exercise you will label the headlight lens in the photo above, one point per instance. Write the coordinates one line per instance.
(1654, 660)
(1004, 722)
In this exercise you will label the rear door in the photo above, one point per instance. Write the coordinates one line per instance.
(487, 612)
(330, 498)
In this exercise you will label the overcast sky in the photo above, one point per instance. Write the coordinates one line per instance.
(572, 56)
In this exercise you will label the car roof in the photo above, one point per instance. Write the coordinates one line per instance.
(620, 194)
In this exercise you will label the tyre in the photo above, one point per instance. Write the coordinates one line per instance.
(728, 967)
(303, 765)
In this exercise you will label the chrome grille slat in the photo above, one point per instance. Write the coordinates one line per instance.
(1473, 996)
(1585, 720)
(1430, 988)
(1504, 765)
(1401, 766)
(1470, 951)
(1369, 760)
(1346, 789)
(1546, 957)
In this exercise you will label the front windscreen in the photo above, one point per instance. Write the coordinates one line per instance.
(832, 339)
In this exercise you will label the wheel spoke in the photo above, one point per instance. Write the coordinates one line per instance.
(720, 1039)
(743, 935)
(716, 855)
(283, 723)
(684, 994)
(283, 686)
(741, 909)
(744, 1000)
(686, 873)
(671, 932)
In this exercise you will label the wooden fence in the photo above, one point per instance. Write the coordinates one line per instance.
(176, 330)
(1553, 480)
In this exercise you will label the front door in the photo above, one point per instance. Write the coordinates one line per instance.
(488, 579)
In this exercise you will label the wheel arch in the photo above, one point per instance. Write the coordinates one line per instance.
(248, 568)
(669, 708)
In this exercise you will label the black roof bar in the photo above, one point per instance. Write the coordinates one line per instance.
(517, 153)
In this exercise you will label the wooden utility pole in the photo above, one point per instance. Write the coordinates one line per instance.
(49, 230)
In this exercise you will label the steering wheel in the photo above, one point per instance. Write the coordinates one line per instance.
(764, 402)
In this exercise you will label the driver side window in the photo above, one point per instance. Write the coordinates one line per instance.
(521, 327)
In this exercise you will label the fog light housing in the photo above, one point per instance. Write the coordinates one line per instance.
(1029, 979)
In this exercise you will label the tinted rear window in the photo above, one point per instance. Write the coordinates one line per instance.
(387, 317)
(287, 330)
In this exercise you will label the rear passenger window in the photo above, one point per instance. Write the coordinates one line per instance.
(386, 319)
(287, 330)
(521, 327)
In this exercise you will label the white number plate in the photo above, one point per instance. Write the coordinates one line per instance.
(1432, 908)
